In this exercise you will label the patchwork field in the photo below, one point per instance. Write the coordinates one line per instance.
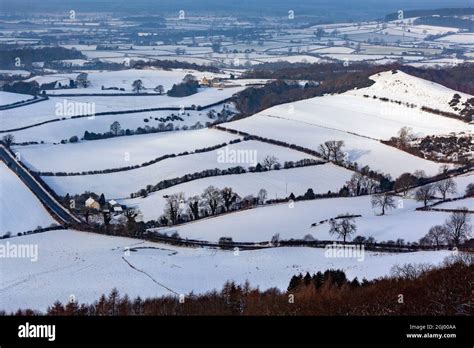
(121, 184)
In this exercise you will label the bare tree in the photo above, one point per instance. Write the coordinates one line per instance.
(269, 161)
(405, 135)
(194, 204)
(132, 215)
(446, 186)
(137, 86)
(160, 89)
(443, 169)
(332, 151)
(262, 196)
(384, 201)
(212, 197)
(115, 128)
(410, 271)
(174, 207)
(8, 140)
(470, 190)
(229, 197)
(436, 236)
(360, 184)
(342, 227)
(458, 226)
(419, 174)
(425, 194)
(404, 183)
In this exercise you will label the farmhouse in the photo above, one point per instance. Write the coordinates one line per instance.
(92, 203)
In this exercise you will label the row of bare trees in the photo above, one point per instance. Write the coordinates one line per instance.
(212, 201)
(456, 230)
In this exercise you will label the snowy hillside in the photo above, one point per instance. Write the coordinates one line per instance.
(48, 110)
(121, 184)
(10, 98)
(120, 151)
(87, 265)
(411, 89)
(20, 210)
(359, 149)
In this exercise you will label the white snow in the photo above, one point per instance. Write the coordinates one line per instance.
(54, 132)
(121, 184)
(260, 224)
(87, 265)
(411, 89)
(118, 152)
(20, 210)
(462, 203)
(50, 110)
(364, 151)
(10, 98)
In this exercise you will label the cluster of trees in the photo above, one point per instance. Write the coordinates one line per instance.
(185, 88)
(170, 64)
(360, 184)
(427, 192)
(455, 231)
(328, 293)
(212, 201)
(330, 278)
(23, 87)
(116, 130)
(12, 58)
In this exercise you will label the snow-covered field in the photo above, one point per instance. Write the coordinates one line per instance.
(10, 98)
(20, 210)
(366, 116)
(118, 152)
(359, 149)
(462, 203)
(51, 109)
(124, 79)
(54, 132)
(121, 184)
(278, 183)
(86, 265)
(294, 221)
(460, 38)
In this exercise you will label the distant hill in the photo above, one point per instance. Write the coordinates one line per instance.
(439, 12)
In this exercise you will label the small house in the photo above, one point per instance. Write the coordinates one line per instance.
(92, 203)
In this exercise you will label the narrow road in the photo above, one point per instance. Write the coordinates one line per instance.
(43, 195)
